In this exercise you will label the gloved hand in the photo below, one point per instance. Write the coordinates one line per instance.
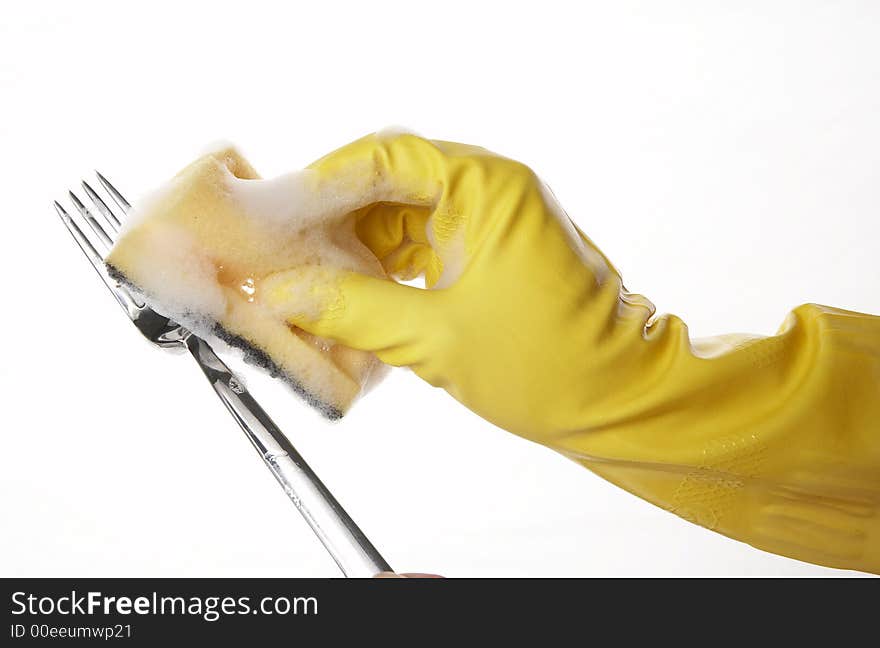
(771, 440)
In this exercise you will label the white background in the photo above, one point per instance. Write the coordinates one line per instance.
(724, 155)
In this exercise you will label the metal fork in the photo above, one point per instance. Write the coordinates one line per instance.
(348, 545)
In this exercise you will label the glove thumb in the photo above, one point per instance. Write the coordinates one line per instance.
(360, 311)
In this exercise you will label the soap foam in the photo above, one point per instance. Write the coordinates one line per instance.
(186, 275)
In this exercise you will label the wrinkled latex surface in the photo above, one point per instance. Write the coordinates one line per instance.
(770, 440)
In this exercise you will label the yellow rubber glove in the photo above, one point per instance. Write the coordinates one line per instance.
(774, 441)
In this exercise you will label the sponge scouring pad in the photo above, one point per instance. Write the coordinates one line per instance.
(200, 247)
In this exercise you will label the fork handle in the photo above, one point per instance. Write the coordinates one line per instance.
(350, 548)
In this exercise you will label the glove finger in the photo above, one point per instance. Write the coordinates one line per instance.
(398, 167)
(397, 235)
(363, 312)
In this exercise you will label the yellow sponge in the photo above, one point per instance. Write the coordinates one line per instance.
(202, 247)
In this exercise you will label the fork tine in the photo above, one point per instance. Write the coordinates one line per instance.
(118, 198)
(87, 216)
(122, 295)
(102, 206)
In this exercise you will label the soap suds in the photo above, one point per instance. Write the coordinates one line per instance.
(187, 277)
